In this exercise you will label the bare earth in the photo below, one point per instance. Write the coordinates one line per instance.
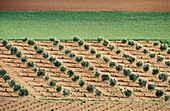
(86, 5)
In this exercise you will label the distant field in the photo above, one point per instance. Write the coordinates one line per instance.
(87, 25)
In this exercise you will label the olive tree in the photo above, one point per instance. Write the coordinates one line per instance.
(57, 63)
(131, 42)
(152, 55)
(138, 46)
(168, 52)
(105, 42)
(93, 51)
(67, 51)
(72, 55)
(63, 68)
(99, 39)
(36, 46)
(146, 67)
(41, 72)
(119, 67)
(52, 58)
(81, 42)
(31, 42)
(90, 88)
(82, 82)
(113, 82)
(47, 77)
(23, 92)
(126, 55)
(40, 50)
(76, 77)
(98, 92)
(145, 51)
(143, 82)
(127, 71)
(56, 42)
(61, 47)
(70, 72)
(118, 51)
(124, 40)
(160, 58)
(30, 64)
(167, 63)
(5, 42)
(139, 63)
(76, 38)
(156, 43)
(79, 58)
(151, 87)
(91, 68)
(105, 77)
(3, 72)
(155, 71)
(45, 54)
(6, 77)
(164, 47)
(12, 82)
(59, 88)
(98, 73)
(106, 59)
(17, 87)
(66, 92)
(163, 77)
(53, 82)
(128, 92)
(159, 92)
(167, 97)
(19, 54)
(133, 76)
(112, 46)
(98, 55)
(131, 59)
(85, 63)
(112, 63)
(87, 46)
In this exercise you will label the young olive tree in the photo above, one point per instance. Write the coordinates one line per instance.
(66, 92)
(98, 55)
(82, 82)
(59, 88)
(47, 77)
(98, 73)
(91, 68)
(35, 69)
(90, 88)
(112, 46)
(128, 92)
(98, 92)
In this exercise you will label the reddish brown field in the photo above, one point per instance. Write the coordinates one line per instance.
(86, 5)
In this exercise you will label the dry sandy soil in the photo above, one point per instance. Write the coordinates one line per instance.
(86, 5)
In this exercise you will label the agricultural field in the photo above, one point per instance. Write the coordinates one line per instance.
(84, 75)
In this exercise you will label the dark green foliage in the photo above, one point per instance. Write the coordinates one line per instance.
(79, 59)
(90, 88)
(59, 88)
(41, 72)
(30, 64)
(167, 63)
(52, 58)
(57, 63)
(160, 58)
(82, 82)
(40, 50)
(31, 42)
(85, 63)
(125, 55)
(145, 51)
(106, 59)
(160, 92)
(87, 46)
(12, 82)
(151, 87)
(70, 72)
(98, 92)
(105, 77)
(23, 92)
(156, 43)
(81, 42)
(93, 51)
(17, 87)
(66, 92)
(67, 51)
(131, 42)
(168, 52)
(163, 77)
(47, 77)
(128, 92)
(118, 51)
(3, 72)
(61, 47)
(14, 50)
(45, 54)
(98, 73)
(25, 39)
(124, 40)
(152, 55)
(112, 46)
(133, 76)
(72, 55)
(164, 47)
(146, 67)
(113, 82)
(56, 42)
(63, 68)
(6, 77)
(36, 46)
(138, 46)
(76, 38)
(112, 63)
(155, 71)
(5, 42)
(119, 67)
(24, 58)
(131, 59)
(19, 54)
(98, 55)
(53, 82)
(143, 82)
(167, 97)
(8, 46)
(99, 39)
(51, 39)
(169, 81)
(91, 68)
(76, 77)
(105, 42)
(139, 63)
(127, 71)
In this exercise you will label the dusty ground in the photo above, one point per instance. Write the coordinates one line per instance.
(86, 5)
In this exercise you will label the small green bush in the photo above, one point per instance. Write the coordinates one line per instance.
(112, 63)
(3, 72)
(145, 51)
(61, 47)
(31, 42)
(25, 39)
(24, 58)
(155, 71)
(131, 42)
(105, 77)
(56, 42)
(93, 51)
(23, 92)
(128, 92)
(72, 55)
(79, 59)
(151, 87)
(98, 55)
(139, 63)
(5, 42)
(76, 77)
(106, 59)
(63, 68)
(143, 82)
(99, 39)
(127, 71)
(67, 51)
(112, 46)
(164, 47)
(19, 54)
(70, 72)
(138, 46)
(40, 50)
(163, 77)
(146, 67)
(118, 51)
(30, 64)
(82, 82)
(167, 63)
(105, 42)
(133, 76)
(12, 82)
(41, 72)
(98, 92)
(91, 68)
(57, 63)
(6, 77)
(52, 58)
(76, 38)
(98, 73)
(47, 77)
(17, 87)
(90, 88)
(45, 54)
(59, 88)
(167, 97)
(87, 46)
(113, 82)
(124, 40)
(119, 67)
(66, 92)
(160, 92)
(131, 59)
(53, 82)
(156, 43)
(36, 46)
(152, 55)
(160, 58)
(126, 55)
(81, 42)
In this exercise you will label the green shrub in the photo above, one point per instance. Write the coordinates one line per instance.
(146, 67)
(164, 47)
(30, 64)
(52, 58)
(168, 52)
(53, 82)
(41, 72)
(70, 72)
(91, 68)
(36, 46)
(85, 63)
(126, 55)
(59, 88)
(98, 55)
(118, 51)
(160, 92)
(156, 43)
(45, 54)
(76, 38)
(133, 76)
(90, 88)
(155, 71)
(138, 46)
(127, 71)
(12, 82)
(151, 87)
(5, 42)
(106, 59)
(79, 59)
(98, 73)
(99, 39)
(112, 46)
(131, 42)
(160, 58)
(23, 92)
(19, 54)
(66, 92)
(35, 69)
(145, 51)
(72, 55)
(51, 39)
(8, 46)
(113, 82)
(14, 50)
(67, 51)
(169, 81)
(152, 55)
(47, 77)
(105, 77)
(56, 42)
(61, 47)
(93, 51)
(167, 63)
(105, 42)
(25, 39)
(82, 82)
(3, 72)
(131, 59)
(40, 50)
(57, 63)
(124, 40)
(31, 42)
(128, 92)
(112, 63)
(63, 68)
(81, 42)
(6, 77)
(119, 67)
(87, 46)
(163, 77)
(76, 77)
(98, 92)
(143, 82)
(17, 87)
(139, 63)
(167, 97)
